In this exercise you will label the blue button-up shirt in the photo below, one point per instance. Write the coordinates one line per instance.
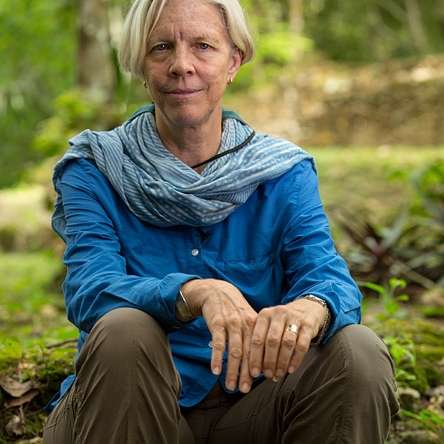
(274, 248)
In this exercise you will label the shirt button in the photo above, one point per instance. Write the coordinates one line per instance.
(195, 252)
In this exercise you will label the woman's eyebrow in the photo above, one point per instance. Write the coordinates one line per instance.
(207, 37)
(163, 37)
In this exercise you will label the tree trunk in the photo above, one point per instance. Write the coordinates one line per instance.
(95, 70)
(296, 15)
(416, 26)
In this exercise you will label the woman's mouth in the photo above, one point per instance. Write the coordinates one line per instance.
(183, 93)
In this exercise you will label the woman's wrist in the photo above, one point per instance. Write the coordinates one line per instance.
(326, 318)
(194, 294)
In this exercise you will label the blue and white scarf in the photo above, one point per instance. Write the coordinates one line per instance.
(162, 190)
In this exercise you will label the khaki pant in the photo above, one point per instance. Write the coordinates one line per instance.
(127, 387)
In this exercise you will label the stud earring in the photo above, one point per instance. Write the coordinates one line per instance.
(230, 80)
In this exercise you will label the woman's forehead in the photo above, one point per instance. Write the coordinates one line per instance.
(196, 20)
(183, 15)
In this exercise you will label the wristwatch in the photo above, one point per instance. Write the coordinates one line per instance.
(183, 311)
(325, 324)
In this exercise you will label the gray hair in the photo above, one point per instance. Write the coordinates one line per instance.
(144, 15)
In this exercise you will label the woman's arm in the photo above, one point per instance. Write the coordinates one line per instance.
(312, 266)
(97, 280)
(311, 262)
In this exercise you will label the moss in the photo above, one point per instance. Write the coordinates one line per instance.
(47, 368)
(417, 348)
(10, 354)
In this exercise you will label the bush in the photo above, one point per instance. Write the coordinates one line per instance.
(411, 245)
(74, 111)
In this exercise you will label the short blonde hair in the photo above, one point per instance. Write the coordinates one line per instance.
(144, 15)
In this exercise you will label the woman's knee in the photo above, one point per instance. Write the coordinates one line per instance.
(125, 333)
(366, 353)
(370, 368)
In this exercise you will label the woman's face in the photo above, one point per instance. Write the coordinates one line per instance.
(189, 60)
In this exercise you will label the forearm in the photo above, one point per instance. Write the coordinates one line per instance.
(88, 299)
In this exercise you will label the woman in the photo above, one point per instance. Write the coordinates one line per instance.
(200, 269)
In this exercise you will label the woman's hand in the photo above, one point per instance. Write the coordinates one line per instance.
(276, 350)
(231, 320)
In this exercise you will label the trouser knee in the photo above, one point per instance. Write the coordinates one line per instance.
(127, 337)
(369, 367)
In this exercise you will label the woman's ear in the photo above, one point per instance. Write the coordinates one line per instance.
(235, 63)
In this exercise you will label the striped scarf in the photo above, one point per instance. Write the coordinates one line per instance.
(162, 190)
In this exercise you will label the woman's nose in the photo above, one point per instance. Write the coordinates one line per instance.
(181, 63)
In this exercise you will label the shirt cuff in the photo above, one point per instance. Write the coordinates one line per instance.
(169, 288)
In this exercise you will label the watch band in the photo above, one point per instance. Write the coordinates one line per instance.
(325, 324)
(183, 311)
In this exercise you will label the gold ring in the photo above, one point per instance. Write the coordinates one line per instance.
(293, 328)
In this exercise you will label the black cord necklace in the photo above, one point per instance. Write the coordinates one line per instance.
(231, 150)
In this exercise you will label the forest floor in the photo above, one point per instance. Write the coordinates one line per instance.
(37, 343)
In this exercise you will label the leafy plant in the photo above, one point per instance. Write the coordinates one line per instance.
(427, 418)
(74, 112)
(390, 301)
(427, 243)
(411, 245)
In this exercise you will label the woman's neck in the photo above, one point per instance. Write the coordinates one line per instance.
(192, 144)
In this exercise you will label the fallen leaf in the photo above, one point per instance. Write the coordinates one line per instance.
(16, 402)
(15, 388)
(31, 441)
(15, 426)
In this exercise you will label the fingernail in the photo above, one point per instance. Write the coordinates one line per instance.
(279, 373)
(291, 370)
(255, 372)
(275, 379)
(268, 374)
(216, 370)
(231, 386)
(245, 388)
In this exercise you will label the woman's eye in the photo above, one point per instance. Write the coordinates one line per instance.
(203, 45)
(161, 47)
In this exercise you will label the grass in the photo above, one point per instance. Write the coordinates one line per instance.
(375, 180)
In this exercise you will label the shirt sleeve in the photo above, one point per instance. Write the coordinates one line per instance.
(312, 264)
(97, 280)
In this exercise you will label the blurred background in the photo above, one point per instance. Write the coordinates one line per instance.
(359, 84)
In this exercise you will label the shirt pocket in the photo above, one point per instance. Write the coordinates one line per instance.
(259, 279)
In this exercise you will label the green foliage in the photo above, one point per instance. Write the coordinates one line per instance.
(403, 353)
(411, 245)
(275, 51)
(433, 312)
(32, 325)
(426, 418)
(26, 284)
(74, 112)
(37, 41)
(424, 249)
(417, 349)
(10, 353)
(390, 301)
(374, 30)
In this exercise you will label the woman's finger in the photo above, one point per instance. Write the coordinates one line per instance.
(273, 343)
(287, 348)
(218, 342)
(257, 344)
(235, 350)
(245, 379)
(305, 336)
